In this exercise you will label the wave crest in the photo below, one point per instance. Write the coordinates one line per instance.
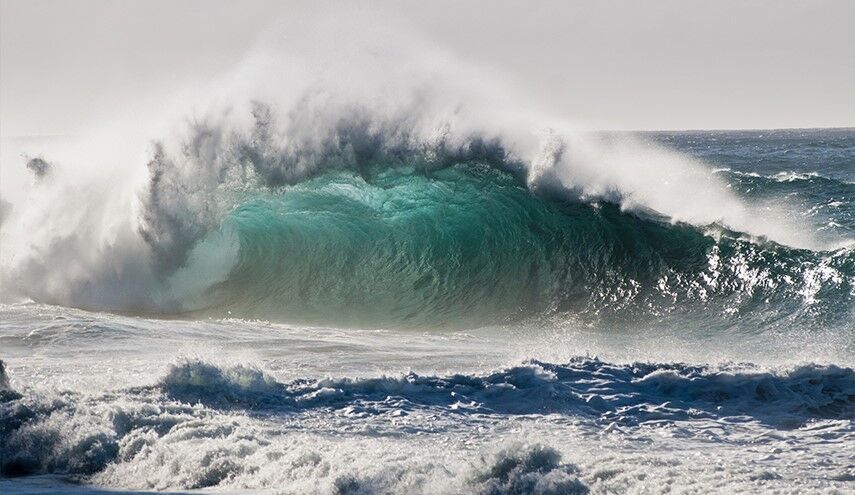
(180, 239)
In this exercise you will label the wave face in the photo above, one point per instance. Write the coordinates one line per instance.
(471, 244)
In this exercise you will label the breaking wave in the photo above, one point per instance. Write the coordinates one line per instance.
(627, 394)
(397, 202)
(470, 244)
(369, 225)
(174, 430)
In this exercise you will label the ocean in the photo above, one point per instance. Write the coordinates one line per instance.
(369, 307)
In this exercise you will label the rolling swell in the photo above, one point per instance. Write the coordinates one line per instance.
(470, 244)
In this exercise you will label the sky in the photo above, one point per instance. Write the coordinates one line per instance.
(646, 65)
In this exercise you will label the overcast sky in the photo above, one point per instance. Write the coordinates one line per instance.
(614, 65)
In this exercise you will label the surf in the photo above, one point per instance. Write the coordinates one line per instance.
(416, 198)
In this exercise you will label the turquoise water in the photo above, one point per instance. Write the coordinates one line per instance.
(470, 244)
(398, 319)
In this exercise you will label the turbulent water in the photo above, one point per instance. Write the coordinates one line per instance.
(376, 308)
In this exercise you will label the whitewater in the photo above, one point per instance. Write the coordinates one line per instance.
(387, 276)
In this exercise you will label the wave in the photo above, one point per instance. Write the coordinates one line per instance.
(825, 187)
(99, 437)
(404, 203)
(518, 469)
(470, 244)
(6, 392)
(626, 394)
(790, 176)
(379, 228)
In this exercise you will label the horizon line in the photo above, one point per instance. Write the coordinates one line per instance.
(691, 129)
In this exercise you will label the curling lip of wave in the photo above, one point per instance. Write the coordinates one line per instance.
(319, 137)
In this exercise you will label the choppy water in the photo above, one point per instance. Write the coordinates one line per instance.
(396, 317)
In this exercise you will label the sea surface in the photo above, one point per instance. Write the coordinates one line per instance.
(373, 312)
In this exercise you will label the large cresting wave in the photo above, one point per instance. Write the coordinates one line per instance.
(469, 243)
(398, 202)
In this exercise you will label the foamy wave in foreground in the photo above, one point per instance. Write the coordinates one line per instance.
(627, 394)
(202, 425)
